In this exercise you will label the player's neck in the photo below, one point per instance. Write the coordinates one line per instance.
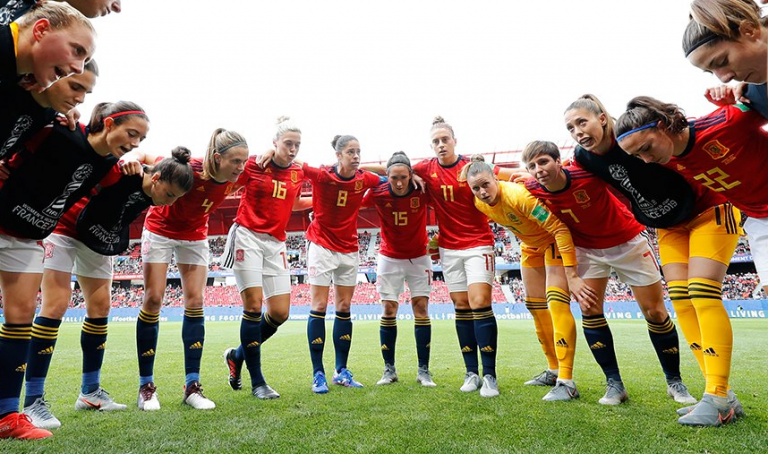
(558, 183)
(680, 141)
(345, 172)
(448, 160)
(99, 143)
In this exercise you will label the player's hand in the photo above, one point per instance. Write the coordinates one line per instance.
(419, 183)
(727, 95)
(129, 165)
(584, 294)
(264, 159)
(519, 176)
(5, 172)
(433, 248)
(73, 116)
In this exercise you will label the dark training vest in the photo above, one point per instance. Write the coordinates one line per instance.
(62, 170)
(104, 224)
(659, 196)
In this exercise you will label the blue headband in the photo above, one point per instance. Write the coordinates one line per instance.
(632, 131)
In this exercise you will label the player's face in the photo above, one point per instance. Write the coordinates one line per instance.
(231, 164)
(59, 53)
(399, 179)
(68, 93)
(287, 148)
(443, 143)
(744, 60)
(544, 168)
(96, 8)
(126, 136)
(650, 145)
(485, 187)
(349, 157)
(586, 128)
(164, 192)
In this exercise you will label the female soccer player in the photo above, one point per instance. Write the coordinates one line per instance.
(181, 229)
(332, 255)
(548, 264)
(585, 205)
(113, 129)
(50, 42)
(255, 251)
(28, 213)
(729, 38)
(717, 150)
(13, 9)
(466, 252)
(402, 258)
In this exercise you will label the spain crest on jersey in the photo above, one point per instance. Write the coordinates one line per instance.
(229, 188)
(415, 203)
(358, 185)
(459, 177)
(715, 149)
(581, 196)
(294, 176)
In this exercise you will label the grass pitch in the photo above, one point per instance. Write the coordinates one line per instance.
(402, 417)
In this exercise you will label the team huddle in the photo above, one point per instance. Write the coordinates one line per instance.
(69, 192)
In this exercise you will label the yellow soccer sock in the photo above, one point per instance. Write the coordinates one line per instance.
(687, 319)
(545, 331)
(564, 330)
(716, 333)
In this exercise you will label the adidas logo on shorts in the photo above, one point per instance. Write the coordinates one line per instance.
(46, 351)
(150, 352)
(197, 346)
(317, 341)
(345, 337)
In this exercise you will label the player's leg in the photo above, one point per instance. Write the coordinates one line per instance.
(390, 284)
(344, 279)
(534, 282)
(156, 255)
(480, 269)
(320, 265)
(456, 280)
(419, 278)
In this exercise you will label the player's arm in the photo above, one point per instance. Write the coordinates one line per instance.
(378, 169)
(302, 203)
(133, 162)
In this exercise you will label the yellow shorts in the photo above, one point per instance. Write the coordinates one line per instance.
(712, 234)
(536, 257)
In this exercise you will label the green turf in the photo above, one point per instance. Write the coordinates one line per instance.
(402, 417)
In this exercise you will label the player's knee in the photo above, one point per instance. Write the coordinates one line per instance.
(194, 302)
(153, 302)
(390, 308)
(655, 314)
(279, 315)
(419, 306)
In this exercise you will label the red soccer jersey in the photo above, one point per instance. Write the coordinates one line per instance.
(336, 202)
(595, 217)
(268, 197)
(728, 153)
(187, 218)
(461, 225)
(403, 221)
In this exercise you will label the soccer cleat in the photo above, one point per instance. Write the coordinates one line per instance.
(19, 426)
(561, 392)
(389, 377)
(712, 411)
(319, 383)
(472, 382)
(265, 392)
(424, 378)
(677, 390)
(194, 397)
(732, 401)
(490, 386)
(97, 400)
(615, 393)
(545, 378)
(344, 378)
(40, 415)
(148, 400)
(235, 368)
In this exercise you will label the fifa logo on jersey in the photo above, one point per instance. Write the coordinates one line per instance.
(581, 196)
(22, 124)
(715, 149)
(56, 208)
(415, 203)
(294, 176)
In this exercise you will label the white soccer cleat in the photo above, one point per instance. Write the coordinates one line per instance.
(97, 400)
(148, 400)
(389, 376)
(40, 415)
(194, 397)
(490, 386)
(472, 383)
(424, 378)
